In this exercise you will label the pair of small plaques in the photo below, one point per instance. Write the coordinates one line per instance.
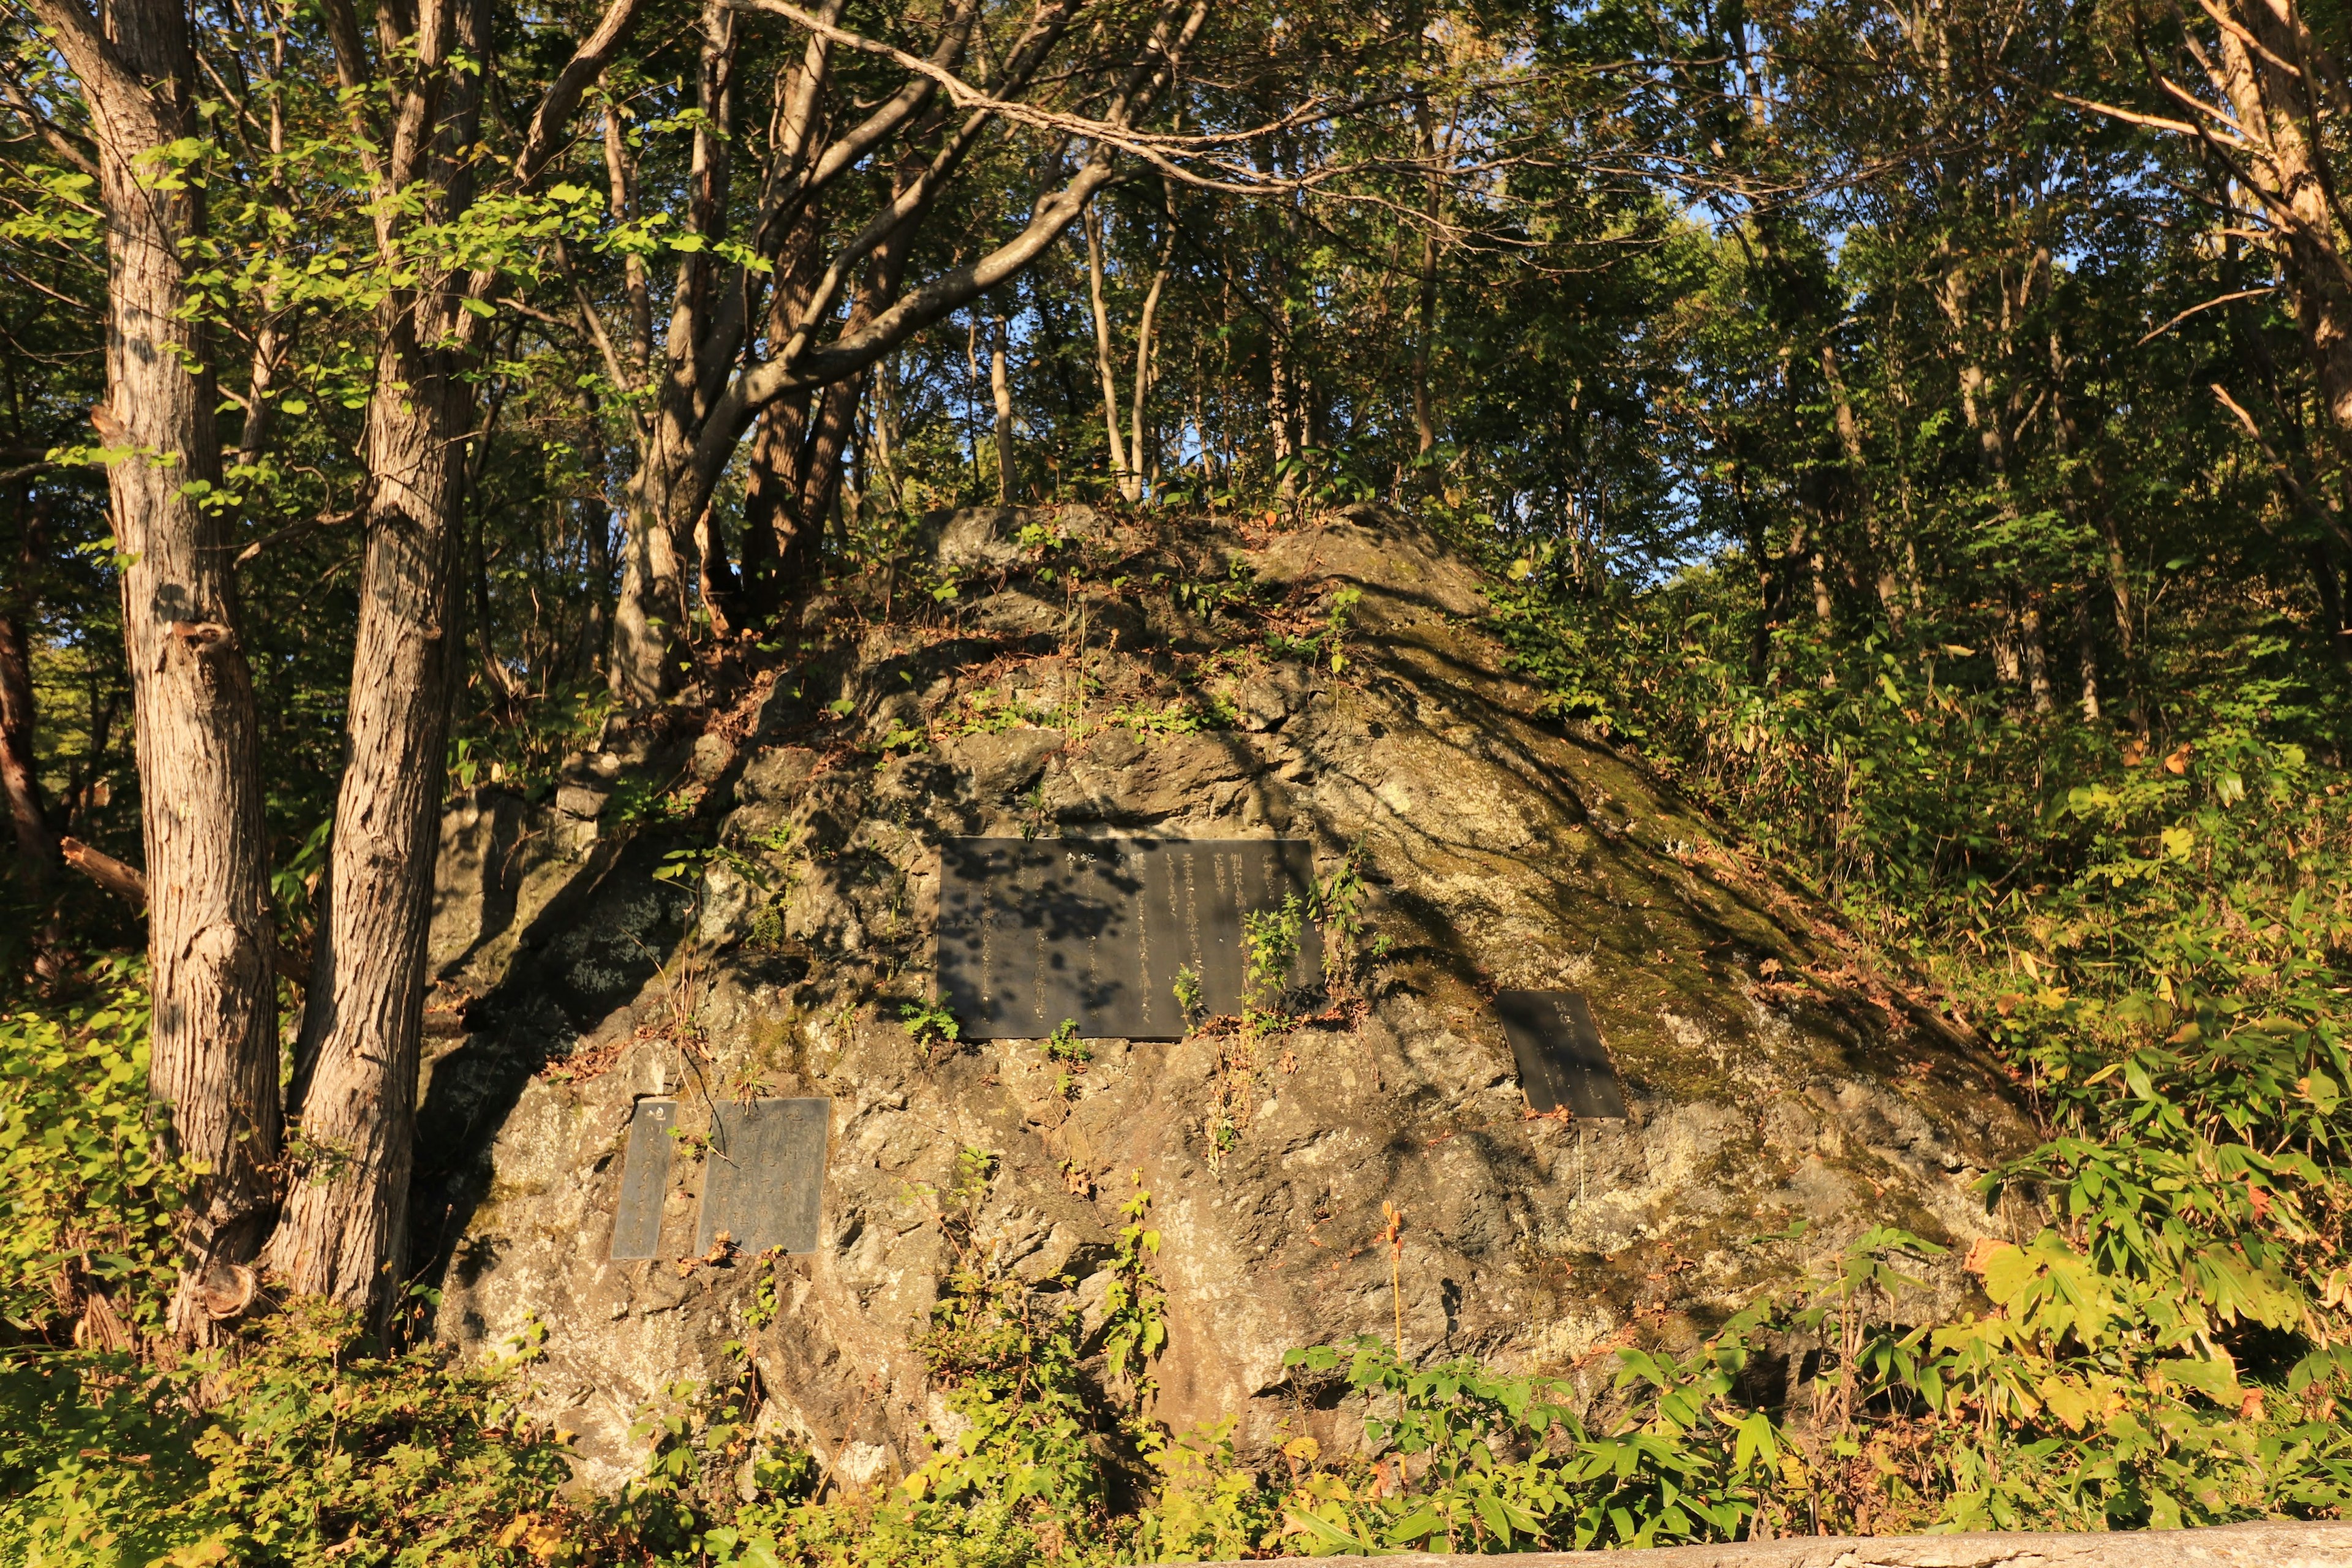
(1034, 931)
(763, 1185)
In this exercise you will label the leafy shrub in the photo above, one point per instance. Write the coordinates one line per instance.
(86, 1193)
(308, 1450)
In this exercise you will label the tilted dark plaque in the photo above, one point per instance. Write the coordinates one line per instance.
(645, 1180)
(1562, 1059)
(1033, 932)
(764, 1180)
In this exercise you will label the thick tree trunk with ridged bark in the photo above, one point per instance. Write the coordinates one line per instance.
(214, 1070)
(344, 1234)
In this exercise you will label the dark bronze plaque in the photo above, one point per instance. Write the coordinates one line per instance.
(1033, 932)
(766, 1176)
(645, 1180)
(1562, 1059)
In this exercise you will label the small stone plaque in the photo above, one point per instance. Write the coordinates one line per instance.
(1033, 932)
(1562, 1059)
(645, 1180)
(764, 1180)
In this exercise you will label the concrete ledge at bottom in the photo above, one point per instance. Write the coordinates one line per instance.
(2266, 1545)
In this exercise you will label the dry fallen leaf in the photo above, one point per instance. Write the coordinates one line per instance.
(1981, 1255)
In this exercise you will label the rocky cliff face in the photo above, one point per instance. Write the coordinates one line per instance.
(1086, 678)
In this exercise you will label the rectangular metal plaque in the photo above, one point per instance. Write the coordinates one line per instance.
(1033, 932)
(1562, 1059)
(645, 1180)
(765, 1180)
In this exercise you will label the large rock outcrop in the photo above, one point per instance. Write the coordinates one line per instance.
(1103, 679)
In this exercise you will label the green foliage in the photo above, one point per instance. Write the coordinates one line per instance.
(1135, 1328)
(1474, 1461)
(1337, 907)
(1327, 645)
(1187, 990)
(930, 1024)
(311, 1450)
(1064, 1046)
(1271, 939)
(2154, 932)
(1209, 1507)
(639, 801)
(89, 1193)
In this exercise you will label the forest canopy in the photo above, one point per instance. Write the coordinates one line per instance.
(1919, 430)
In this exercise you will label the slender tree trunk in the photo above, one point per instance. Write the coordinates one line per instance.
(37, 846)
(2086, 656)
(1001, 384)
(1424, 422)
(28, 811)
(2008, 661)
(1278, 412)
(1106, 365)
(2035, 649)
(1858, 492)
(2330, 584)
(1147, 356)
(213, 1064)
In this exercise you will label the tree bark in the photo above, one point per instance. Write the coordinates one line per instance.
(354, 1092)
(1424, 423)
(1147, 353)
(343, 1230)
(1858, 493)
(213, 1070)
(2277, 90)
(2086, 658)
(1130, 484)
(28, 811)
(1000, 384)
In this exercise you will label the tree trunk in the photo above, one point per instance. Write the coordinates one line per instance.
(1858, 493)
(715, 576)
(1424, 424)
(1147, 357)
(2086, 656)
(2276, 101)
(28, 812)
(2330, 584)
(646, 639)
(2036, 654)
(1131, 483)
(1001, 386)
(344, 1234)
(37, 846)
(214, 1064)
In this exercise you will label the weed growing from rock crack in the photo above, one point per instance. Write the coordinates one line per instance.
(929, 1024)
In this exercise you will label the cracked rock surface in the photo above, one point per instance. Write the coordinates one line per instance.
(1770, 1075)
